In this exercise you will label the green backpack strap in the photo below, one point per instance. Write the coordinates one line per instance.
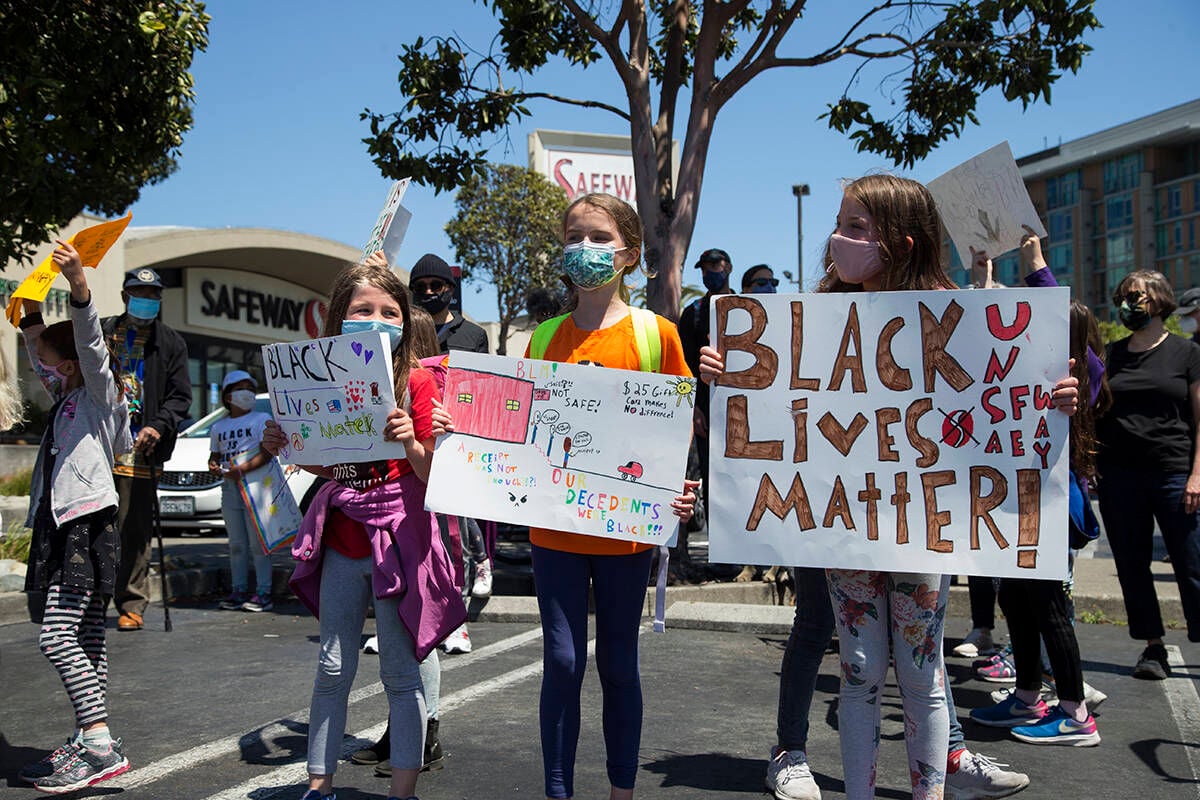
(647, 338)
(542, 334)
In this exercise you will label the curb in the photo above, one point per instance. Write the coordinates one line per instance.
(735, 607)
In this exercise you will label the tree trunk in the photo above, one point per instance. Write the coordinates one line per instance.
(502, 345)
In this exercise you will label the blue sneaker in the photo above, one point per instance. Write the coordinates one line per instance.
(1057, 727)
(1010, 713)
(315, 794)
(85, 767)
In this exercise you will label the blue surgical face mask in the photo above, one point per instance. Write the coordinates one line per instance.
(143, 308)
(590, 265)
(395, 332)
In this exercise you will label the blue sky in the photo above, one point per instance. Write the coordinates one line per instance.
(276, 142)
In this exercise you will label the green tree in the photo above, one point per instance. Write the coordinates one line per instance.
(944, 55)
(94, 100)
(506, 233)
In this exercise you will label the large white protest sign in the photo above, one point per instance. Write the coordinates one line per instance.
(563, 446)
(331, 396)
(984, 203)
(900, 431)
(390, 225)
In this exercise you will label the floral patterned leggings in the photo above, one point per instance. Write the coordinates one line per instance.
(874, 610)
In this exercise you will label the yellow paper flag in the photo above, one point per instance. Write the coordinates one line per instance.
(92, 243)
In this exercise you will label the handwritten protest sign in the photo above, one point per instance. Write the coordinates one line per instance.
(901, 431)
(563, 446)
(269, 499)
(92, 243)
(391, 225)
(331, 397)
(984, 203)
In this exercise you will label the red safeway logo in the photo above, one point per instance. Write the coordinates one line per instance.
(314, 318)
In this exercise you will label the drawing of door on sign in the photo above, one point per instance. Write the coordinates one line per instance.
(489, 406)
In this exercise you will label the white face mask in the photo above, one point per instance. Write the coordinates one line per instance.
(242, 398)
(1188, 325)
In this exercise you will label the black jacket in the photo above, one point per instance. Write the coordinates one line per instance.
(459, 334)
(166, 389)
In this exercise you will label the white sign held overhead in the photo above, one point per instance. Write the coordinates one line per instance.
(983, 203)
(391, 225)
(894, 431)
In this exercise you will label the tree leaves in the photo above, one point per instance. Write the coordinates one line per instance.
(89, 124)
(506, 233)
(461, 101)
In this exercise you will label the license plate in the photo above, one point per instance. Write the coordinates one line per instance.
(177, 506)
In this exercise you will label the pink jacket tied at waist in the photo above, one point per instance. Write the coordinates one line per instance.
(411, 562)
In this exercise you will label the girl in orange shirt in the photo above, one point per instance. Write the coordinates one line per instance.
(603, 241)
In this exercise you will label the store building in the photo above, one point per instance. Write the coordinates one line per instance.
(1122, 199)
(228, 291)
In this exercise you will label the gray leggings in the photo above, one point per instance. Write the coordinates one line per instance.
(345, 593)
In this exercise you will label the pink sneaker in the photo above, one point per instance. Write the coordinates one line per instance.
(1000, 670)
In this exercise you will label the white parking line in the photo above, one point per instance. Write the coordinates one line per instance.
(1185, 706)
(284, 779)
(266, 733)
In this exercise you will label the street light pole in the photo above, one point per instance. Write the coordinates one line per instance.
(800, 190)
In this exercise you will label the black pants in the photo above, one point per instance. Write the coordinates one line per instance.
(983, 602)
(135, 519)
(1039, 610)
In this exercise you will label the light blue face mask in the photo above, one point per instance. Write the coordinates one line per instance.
(143, 308)
(590, 265)
(395, 332)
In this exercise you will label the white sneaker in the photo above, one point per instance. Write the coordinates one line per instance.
(1093, 696)
(979, 777)
(458, 641)
(789, 777)
(371, 646)
(483, 579)
(1048, 693)
(976, 643)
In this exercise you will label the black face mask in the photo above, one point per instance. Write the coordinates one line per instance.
(436, 303)
(1133, 317)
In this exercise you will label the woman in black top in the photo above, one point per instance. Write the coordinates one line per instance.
(1148, 461)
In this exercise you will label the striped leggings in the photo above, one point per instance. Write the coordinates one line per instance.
(72, 638)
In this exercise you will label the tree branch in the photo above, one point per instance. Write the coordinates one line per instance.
(608, 39)
(570, 101)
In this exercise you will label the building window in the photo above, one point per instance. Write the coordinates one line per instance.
(1192, 234)
(1062, 190)
(512, 405)
(1194, 270)
(1007, 269)
(1178, 237)
(1160, 240)
(1118, 250)
(1061, 258)
(1174, 201)
(1114, 277)
(1123, 173)
(466, 398)
(1062, 225)
(1118, 211)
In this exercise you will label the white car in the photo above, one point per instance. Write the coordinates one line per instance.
(189, 496)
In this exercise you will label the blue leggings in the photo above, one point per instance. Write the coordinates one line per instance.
(619, 583)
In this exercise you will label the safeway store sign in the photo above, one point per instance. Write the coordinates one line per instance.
(587, 162)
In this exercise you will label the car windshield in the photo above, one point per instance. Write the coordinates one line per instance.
(201, 428)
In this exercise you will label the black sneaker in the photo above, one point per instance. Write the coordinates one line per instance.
(376, 753)
(50, 764)
(1152, 665)
(84, 768)
(434, 759)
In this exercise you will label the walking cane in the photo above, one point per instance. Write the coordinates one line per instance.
(162, 554)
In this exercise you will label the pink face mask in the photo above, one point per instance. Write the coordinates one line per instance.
(854, 259)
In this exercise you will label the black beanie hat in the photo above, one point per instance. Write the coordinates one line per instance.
(431, 266)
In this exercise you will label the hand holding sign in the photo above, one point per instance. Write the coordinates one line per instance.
(91, 245)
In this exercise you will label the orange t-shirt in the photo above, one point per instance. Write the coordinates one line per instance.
(614, 347)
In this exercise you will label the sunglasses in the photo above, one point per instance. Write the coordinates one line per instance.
(1132, 298)
(428, 287)
(761, 282)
